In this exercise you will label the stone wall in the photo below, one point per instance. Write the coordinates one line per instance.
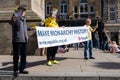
(35, 8)
(6, 39)
(38, 7)
(8, 3)
(26, 2)
(118, 11)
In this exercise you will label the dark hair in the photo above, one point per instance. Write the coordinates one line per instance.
(22, 8)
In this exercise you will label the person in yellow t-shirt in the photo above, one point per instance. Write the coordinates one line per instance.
(51, 51)
(89, 44)
(51, 22)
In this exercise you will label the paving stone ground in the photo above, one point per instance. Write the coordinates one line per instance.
(71, 61)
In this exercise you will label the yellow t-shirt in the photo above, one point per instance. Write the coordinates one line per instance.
(89, 32)
(51, 22)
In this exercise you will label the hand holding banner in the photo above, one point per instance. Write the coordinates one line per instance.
(48, 37)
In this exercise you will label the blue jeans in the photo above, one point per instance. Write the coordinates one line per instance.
(97, 44)
(104, 45)
(88, 44)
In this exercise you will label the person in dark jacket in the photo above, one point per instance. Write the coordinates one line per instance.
(19, 41)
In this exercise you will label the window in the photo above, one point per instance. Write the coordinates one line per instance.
(83, 8)
(92, 14)
(112, 16)
(75, 12)
(92, 9)
(63, 9)
(48, 8)
(83, 1)
(86, 7)
(112, 13)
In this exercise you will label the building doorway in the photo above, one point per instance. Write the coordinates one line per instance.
(114, 36)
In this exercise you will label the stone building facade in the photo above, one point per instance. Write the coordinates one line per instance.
(111, 11)
(35, 13)
(108, 10)
(75, 9)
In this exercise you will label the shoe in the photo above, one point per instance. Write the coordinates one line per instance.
(15, 74)
(49, 63)
(55, 62)
(92, 58)
(24, 72)
(86, 58)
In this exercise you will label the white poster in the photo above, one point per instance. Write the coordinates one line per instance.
(48, 37)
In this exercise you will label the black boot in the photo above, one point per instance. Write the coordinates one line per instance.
(24, 72)
(15, 74)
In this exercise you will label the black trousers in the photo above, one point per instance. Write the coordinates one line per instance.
(51, 53)
(19, 49)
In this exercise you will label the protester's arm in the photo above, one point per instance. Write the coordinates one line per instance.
(95, 28)
(15, 23)
(12, 22)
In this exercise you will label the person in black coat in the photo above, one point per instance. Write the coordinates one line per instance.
(19, 40)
